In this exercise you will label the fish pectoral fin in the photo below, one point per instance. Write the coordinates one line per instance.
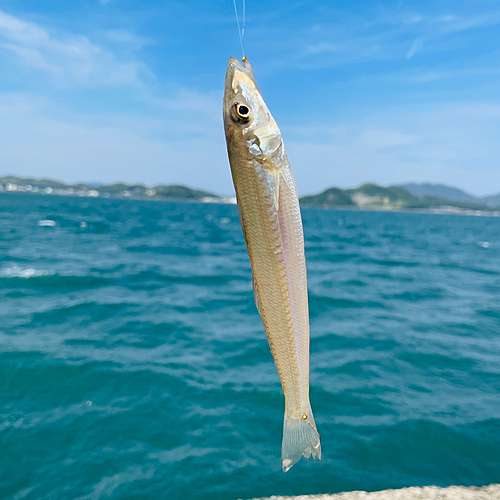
(273, 174)
(256, 295)
(276, 186)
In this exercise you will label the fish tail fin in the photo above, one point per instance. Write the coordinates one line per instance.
(300, 439)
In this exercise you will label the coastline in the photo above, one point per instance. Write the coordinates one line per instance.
(445, 210)
(367, 197)
(491, 492)
(229, 200)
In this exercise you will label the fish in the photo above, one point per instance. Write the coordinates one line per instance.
(271, 220)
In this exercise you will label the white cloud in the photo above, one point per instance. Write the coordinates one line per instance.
(452, 24)
(127, 37)
(178, 137)
(41, 139)
(440, 75)
(432, 76)
(33, 58)
(452, 144)
(378, 34)
(202, 106)
(70, 58)
(380, 139)
(449, 18)
(416, 46)
(321, 48)
(175, 137)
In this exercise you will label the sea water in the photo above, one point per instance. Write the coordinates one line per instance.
(134, 365)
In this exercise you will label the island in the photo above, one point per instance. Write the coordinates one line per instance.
(373, 196)
(13, 184)
(366, 197)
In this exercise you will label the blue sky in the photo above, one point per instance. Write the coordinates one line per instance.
(365, 91)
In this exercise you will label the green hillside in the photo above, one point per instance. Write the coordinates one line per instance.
(118, 190)
(176, 191)
(332, 197)
(379, 197)
(370, 196)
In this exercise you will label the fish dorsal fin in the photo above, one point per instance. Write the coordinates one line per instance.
(256, 295)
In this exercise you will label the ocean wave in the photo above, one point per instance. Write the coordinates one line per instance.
(153, 322)
(16, 271)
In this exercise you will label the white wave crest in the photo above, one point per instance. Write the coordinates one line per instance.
(18, 272)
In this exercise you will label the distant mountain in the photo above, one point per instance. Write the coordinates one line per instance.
(491, 201)
(439, 190)
(119, 190)
(364, 196)
(389, 198)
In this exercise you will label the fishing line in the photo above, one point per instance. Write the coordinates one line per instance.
(241, 31)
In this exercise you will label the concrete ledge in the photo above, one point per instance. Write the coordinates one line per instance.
(491, 492)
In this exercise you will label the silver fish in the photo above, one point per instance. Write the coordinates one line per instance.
(271, 221)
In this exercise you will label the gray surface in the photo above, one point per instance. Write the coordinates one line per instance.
(491, 492)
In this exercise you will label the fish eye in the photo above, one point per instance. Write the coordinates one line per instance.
(241, 112)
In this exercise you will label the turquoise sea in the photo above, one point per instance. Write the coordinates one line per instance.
(134, 365)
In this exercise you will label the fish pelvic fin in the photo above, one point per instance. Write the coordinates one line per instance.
(256, 295)
(300, 439)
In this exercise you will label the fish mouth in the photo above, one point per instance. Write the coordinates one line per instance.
(237, 71)
(234, 65)
(235, 62)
